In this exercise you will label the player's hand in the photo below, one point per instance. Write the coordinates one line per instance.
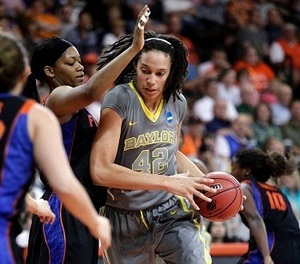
(242, 207)
(44, 212)
(102, 231)
(188, 187)
(143, 18)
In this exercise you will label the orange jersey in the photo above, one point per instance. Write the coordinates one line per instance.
(261, 74)
(292, 50)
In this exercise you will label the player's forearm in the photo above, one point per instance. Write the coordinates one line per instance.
(259, 233)
(120, 177)
(31, 204)
(77, 202)
(105, 77)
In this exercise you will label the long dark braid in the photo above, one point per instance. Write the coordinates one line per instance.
(153, 41)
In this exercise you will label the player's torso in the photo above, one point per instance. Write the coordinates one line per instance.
(148, 143)
(78, 136)
(275, 209)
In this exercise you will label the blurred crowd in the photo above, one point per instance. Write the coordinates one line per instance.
(243, 86)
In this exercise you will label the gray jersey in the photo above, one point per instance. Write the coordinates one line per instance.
(148, 142)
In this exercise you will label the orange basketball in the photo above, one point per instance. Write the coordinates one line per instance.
(226, 202)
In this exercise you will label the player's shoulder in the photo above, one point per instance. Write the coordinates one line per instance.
(120, 90)
(41, 112)
(182, 97)
(180, 100)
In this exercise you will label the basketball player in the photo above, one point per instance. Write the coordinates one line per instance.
(136, 149)
(274, 229)
(57, 63)
(30, 134)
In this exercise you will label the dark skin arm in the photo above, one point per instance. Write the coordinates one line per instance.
(256, 224)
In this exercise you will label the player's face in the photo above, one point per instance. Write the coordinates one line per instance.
(237, 171)
(68, 69)
(153, 69)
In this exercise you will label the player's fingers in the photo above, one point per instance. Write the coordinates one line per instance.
(143, 17)
(192, 202)
(105, 244)
(202, 196)
(100, 251)
(52, 218)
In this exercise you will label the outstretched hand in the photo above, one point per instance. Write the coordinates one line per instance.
(143, 18)
(189, 186)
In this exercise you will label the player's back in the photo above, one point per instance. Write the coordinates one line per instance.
(17, 170)
(281, 224)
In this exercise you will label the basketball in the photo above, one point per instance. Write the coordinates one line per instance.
(226, 202)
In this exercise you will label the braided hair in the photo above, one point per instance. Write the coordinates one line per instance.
(153, 41)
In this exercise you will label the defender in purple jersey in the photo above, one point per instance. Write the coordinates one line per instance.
(30, 136)
(274, 229)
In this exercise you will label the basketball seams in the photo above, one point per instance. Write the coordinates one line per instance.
(226, 202)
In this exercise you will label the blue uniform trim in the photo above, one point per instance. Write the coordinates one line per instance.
(55, 234)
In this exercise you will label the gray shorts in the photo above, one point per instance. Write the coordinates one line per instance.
(170, 230)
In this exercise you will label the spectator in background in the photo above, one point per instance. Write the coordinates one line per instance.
(269, 95)
(216, 64)
(114, 32)
(250, 99)
(10, 25)
(227, 86)
(219, 232)
(83, 35)
(206, 151)
(67, 22)
(253, 34)
(229, 143)
(290, 186)
(240, 10)
(48, 22)
(155, 23)
(174, 28)
(263, 7)
(261, 73)
(273, 144)
(263, 126)
(285, 52)
(220, 121)
(281, 112)
(89, 61)
(291, 129)
(203, 107)
(191, 137)
(274, 24)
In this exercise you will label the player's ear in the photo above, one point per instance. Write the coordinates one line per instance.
(247, 172)
(49, 71)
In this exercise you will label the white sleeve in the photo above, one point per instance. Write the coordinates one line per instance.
(232, 113)
(222, 147)
(276, 53)
(222, 154)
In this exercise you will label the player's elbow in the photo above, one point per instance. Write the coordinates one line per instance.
(100, 174)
